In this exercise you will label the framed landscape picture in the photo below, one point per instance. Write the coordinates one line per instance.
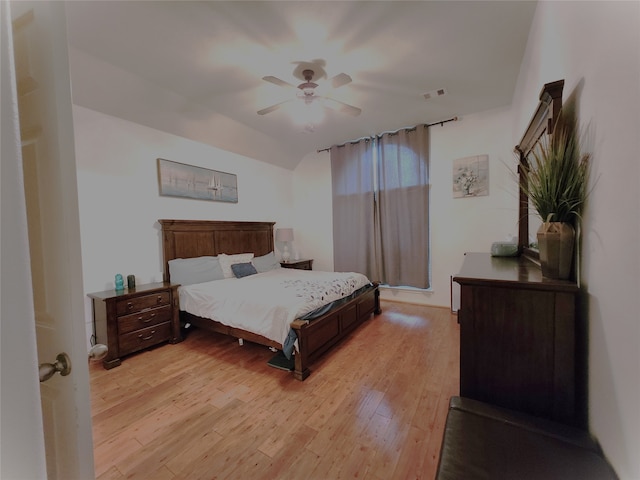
(188, 181)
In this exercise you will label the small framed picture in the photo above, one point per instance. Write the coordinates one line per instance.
(471, 176)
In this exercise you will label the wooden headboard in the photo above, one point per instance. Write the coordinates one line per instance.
(196, 238)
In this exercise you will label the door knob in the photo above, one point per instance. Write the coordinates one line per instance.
(62, 365)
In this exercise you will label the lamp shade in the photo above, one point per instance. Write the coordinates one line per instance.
(284, 235)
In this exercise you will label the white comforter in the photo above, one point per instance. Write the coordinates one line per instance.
(267, 303)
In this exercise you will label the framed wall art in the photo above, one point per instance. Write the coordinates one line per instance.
(188, 181)
(471, 176)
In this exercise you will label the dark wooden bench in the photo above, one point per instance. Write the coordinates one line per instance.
(482, 441)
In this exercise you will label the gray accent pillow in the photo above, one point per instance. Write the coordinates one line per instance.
(187, 271)
(243, 269)
(265, 262)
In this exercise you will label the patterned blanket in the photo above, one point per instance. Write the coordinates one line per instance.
(320, 291)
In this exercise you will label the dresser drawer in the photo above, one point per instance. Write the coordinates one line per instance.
(131, 342)
(144, 319)
(136, 304)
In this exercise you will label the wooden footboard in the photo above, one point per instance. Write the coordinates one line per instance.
(317, 336)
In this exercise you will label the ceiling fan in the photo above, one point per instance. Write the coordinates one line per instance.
(308, 93)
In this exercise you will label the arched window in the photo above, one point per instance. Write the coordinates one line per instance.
(381, 207)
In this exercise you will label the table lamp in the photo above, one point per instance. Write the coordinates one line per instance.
(285, 235)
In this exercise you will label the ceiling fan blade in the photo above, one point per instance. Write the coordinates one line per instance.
(272, 108)
(277, 81)
(340, 80)
(341, 107)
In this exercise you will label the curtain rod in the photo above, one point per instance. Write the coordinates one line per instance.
(441, 123)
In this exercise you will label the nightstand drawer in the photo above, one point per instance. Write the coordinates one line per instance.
(140, 303)
(144, 319)
(130, 342)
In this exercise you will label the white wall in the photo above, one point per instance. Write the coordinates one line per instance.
(120, 204)
(313, 210)
(595, 48)
(457, 225)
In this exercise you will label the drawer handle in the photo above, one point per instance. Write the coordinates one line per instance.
(147, 338)
(159, 298)
(146, 320)
(129, 305)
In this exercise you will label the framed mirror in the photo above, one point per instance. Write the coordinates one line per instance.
(542, 123)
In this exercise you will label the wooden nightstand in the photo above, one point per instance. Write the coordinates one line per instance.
(130, 320)
(305, 264)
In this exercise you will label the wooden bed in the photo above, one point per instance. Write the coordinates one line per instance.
(195, 238)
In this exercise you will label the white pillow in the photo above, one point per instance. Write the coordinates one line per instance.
(265, 262)
(187, 271)
(227, 260)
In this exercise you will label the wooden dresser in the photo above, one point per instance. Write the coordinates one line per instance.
(518, 339)
(130, 320)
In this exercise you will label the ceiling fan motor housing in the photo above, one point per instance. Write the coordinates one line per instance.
(308, 86)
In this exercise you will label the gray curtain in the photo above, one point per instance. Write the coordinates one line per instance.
(381, 207)
(402, 208)
(353, 208)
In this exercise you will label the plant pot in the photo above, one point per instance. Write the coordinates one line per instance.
(555, 243)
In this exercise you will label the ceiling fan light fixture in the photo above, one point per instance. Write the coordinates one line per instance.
(309, 112)
(306, 91)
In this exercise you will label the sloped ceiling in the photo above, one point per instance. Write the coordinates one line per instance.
(195, 68)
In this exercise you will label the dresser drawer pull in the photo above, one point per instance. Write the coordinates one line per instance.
(159, 298)
(129, 305)
(147, 338)
(143, 320)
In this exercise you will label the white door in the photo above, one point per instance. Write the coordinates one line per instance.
(51, 304)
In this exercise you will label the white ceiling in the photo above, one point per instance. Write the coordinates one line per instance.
(195, 68)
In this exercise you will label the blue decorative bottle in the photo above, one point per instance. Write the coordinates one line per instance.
(119, 282)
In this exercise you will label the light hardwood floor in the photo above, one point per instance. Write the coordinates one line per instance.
(373, 408)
